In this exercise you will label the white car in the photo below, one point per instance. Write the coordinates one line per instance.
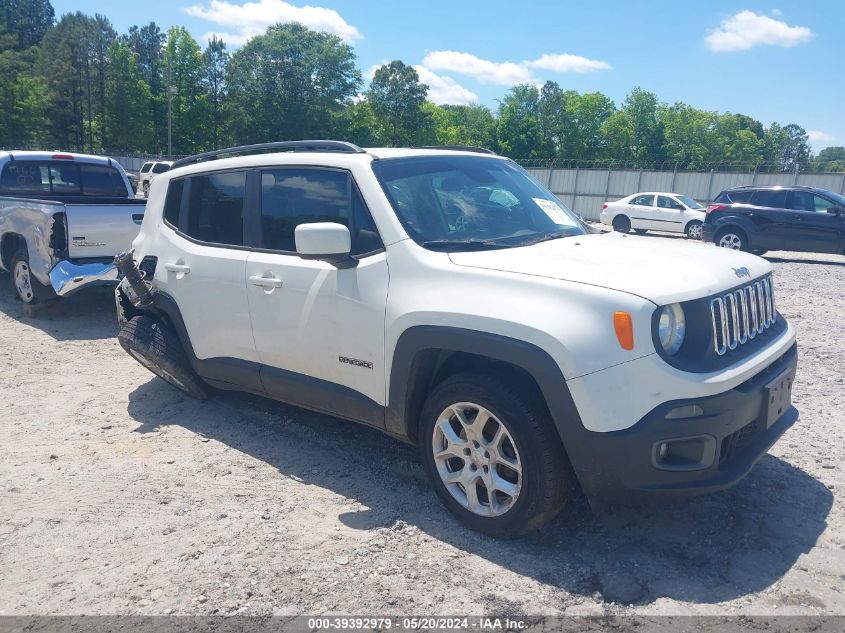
(150, 170)
(451, 301)
(655, 211)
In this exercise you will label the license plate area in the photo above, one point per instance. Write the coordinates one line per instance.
(778, 392)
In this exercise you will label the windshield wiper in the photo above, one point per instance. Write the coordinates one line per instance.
(544, 238)
(468, 244)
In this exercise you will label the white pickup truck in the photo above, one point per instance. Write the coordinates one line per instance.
(63, 218)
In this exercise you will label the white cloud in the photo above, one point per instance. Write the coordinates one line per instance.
(509, 73)
(817, 136)
(566, 63)
(445, 90)
(243, 21)
(747, 29)
(485, 71)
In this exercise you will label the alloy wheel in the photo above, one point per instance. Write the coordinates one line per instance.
(477, 459)
(731, 240)
(694, 232)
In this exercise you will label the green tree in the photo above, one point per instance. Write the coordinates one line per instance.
(184, 63)
(127, 101)
(358, 124)
(290, 83)
(23, 101)
(215, 59)
(397, 98)
(463, 125)
(518, 129)
(647, 134)
(26, 21)
(786, 146)
(830, 159)
(147, 43)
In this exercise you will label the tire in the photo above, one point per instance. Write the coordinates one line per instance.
(146, 188)
(693, 230)
(27, 288)
(622, 224)
(156, 346)
(731, 238)
(759, 252)
(640, 231)
(536, 493)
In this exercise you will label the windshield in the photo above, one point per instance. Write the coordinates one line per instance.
(840, 200)
(469, 202)
(692, 204)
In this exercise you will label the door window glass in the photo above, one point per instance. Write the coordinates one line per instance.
(740, 197)
(772, 198)
(801, 201)
(821, 205)
(290, 197)
(665, 202)
(216, 208)
(173, 201)
(643, 201)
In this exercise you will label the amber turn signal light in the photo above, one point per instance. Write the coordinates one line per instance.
(624, 327)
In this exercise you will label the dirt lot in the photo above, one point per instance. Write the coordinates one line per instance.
(120, 496)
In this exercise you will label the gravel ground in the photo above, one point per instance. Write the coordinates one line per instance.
(120, 496)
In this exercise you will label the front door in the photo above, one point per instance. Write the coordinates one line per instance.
(815, 229)
(319, 328)
(669, 215)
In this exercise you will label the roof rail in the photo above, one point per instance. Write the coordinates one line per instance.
(340, 147)
(460, 148)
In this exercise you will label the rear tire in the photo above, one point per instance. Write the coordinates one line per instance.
(622, 224)
(28, 289)
(157, 347)
(517, 447)
(146, 188)
(731, 238)
(693, 230)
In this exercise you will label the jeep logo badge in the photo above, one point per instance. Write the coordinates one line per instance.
(741, 272)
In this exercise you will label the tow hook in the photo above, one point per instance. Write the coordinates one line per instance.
(137, 289)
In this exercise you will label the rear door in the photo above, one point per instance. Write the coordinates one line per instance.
(642, 211)
(814, 229)
(774, 223)
(202, 266)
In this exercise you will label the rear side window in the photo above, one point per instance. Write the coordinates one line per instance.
(740, 197)
(25, 178)
(101, 180)
(290, 197)
(216, 208)
(772, 198)
(173, 202)
(643, 201)
(160, 168)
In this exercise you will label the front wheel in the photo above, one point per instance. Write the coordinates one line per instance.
(733, 239)
(693, 230)
(493, 456)
(147, 189)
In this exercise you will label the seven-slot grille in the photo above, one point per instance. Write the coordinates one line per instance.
(742, 314)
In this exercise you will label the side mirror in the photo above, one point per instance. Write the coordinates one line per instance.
(836, 210)
(326, 241)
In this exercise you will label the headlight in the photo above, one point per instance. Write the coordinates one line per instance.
(671, 328)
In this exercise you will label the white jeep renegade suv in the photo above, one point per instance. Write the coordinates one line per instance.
(443, 296)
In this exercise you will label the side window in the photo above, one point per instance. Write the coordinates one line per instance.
(821, 205)
(160, 168)
(101, 180)
(740, 197)
(290, 197)
(216, 208)
(643, 201)
(25, 177)
(173, 202)
(665, 202)
(772, 198)
(146, 168)
(801, 201)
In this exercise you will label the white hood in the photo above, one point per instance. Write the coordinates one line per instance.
(658, 269)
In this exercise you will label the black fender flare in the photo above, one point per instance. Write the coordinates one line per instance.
(739, 221)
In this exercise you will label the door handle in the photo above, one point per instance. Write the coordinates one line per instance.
(265, 282)
(178, 268)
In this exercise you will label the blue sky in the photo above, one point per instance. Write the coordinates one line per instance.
(776, 61)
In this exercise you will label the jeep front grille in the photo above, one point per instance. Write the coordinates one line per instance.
(742, 314)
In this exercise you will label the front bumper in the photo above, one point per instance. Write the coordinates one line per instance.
(67, 277)
(733, 429)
